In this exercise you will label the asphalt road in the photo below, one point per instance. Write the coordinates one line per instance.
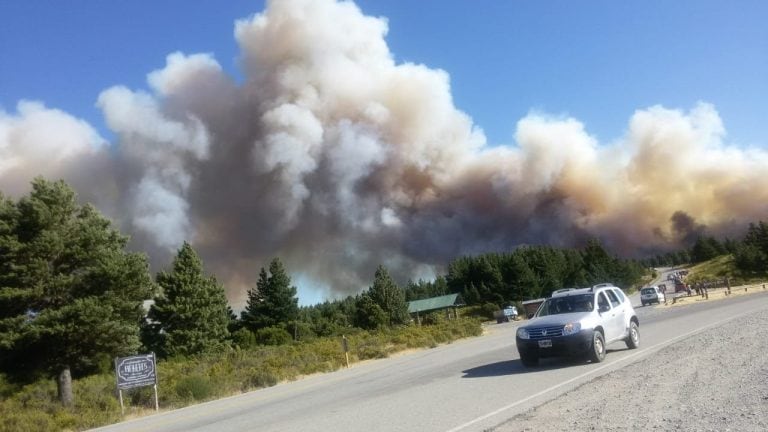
(470, 385)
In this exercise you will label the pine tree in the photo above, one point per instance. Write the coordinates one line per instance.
(389, 297)
(251, 316)
(273, 302)
(368, 314)
(70, 295)
(190, 315)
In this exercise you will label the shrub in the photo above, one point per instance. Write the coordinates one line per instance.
(273, 336)
(488, 310)
(194, 387)
(258, 378)
(244, 338)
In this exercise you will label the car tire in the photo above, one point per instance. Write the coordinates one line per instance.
(597, 350)
(529, 360)
(643, 304)
(633, 336)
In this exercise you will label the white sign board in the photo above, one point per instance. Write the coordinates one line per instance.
(135, 371)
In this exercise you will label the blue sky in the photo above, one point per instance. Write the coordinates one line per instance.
(597, 61)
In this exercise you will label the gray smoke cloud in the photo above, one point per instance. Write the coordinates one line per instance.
(335, 158)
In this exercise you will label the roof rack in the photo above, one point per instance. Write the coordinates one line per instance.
(601, 285)
(562, 290)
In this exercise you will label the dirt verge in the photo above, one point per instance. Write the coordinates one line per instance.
(714, 381)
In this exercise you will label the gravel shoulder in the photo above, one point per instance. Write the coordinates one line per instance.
(716, 380)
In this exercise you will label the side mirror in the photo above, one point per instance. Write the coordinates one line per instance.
(530, 315)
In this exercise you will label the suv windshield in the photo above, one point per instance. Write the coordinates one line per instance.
(648, 291)
(566, 304)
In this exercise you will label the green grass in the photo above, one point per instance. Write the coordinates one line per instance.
(185, 381)
(722, 267)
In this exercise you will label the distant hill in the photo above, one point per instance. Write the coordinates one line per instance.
(721, 267)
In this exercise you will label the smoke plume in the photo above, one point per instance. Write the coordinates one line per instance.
(335, 158)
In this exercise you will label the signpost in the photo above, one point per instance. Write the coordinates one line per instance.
(135, 371)
(345, 348)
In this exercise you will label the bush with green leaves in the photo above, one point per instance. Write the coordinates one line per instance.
(275, 335)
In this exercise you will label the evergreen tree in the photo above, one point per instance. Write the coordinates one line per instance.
(389, 297)
(368, 314)
(522, 279)
(757, 236)
(190, 315)
(597, 263)
(251, 316)
(70, 295)
(705, 249)
(273, 302)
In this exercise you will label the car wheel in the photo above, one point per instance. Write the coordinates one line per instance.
(597, 353)
(643, 303)
(633, 338)
(529, 360)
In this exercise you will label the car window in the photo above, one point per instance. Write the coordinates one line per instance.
(567, 304)
(602, 302)
(620, 294)
(647, 291)
(612, 296)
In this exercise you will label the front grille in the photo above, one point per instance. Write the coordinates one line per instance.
(545, 332)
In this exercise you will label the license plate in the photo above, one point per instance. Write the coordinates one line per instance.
(545, 343)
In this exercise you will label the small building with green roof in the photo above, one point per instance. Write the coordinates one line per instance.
(449, 302)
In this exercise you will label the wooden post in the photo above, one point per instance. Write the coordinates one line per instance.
(345, 347)
(122, 407)
(157, 404)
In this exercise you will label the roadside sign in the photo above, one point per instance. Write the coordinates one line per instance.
(135, 371)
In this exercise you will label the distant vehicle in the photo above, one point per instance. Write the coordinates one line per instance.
(579, 322)
(507, 314)
(652, 294)
(681, 286)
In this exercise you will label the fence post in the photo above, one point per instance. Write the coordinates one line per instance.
(345, 348)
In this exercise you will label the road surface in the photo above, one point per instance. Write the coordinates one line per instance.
(470, 385)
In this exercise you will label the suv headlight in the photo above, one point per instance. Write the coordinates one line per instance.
(571, 328)
(523, 333)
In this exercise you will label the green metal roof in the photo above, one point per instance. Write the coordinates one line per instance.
(434, 303)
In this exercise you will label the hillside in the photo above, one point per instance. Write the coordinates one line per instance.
(722, 267)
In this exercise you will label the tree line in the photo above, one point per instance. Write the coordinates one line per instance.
(750, 254)
(72, 297)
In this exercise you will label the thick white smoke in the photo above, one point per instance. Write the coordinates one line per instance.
(335, 158)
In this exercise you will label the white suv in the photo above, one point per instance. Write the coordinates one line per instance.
(579, 322)
(651, 294)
